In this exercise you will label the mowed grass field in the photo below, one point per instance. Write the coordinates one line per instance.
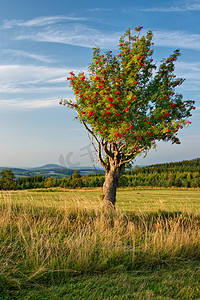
(64, 244)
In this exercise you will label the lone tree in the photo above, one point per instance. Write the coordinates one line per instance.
(7, 180)
(127, 104)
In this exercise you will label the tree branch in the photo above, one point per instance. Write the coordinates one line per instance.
(105, 148)
(121, 147)
(99, 145)
(131, 156)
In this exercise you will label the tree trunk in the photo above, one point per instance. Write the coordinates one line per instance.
(110, 187)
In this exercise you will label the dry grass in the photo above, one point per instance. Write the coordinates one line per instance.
(43, 240)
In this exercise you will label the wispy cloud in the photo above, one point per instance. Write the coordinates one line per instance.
(29, 73)
(27, 89)
(31, 81)
(78, 34)
(73, 34)
(59, 29)
(33, 74)
(85, 36)
(177, 39)
(98, 9)
(40, 21)
(164, 9)
(25, 54)
(190, 71)
(20, 103)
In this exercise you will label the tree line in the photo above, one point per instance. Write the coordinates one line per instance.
(173, 167)
(179, 174)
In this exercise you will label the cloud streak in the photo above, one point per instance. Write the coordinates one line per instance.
(30, 74)
(28, 82)
(85, 36)
(73, 34)
(59, 29)
(190, 71)
(40, 21)
(163, 9)
(25, 54)
(177, 39)
(20, 103)
(34, 81)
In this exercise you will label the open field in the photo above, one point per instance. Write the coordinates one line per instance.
(128, 200)
(59, 244)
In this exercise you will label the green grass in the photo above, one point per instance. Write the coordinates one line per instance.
(179, 281)
(65, 245)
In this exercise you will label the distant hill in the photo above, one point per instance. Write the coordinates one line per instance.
(51, 170)
(57, 171)
(13, 169)
(48, 166)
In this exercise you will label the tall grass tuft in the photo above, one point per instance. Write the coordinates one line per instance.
(40, 242)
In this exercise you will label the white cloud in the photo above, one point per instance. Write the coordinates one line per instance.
(28, 83)
(164, 9)
(97, 9)
(39, 21)
(190, 71)
(26, 89)
(57, 80)
(177, 39)
(85, 36)
(73, 34)
(20, 103)
(30, 74)
(60, 29)
(35, 56)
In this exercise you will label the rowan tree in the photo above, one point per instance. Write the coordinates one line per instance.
(127, 103)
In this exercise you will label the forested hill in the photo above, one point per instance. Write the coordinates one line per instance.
(173, 167)
(180, 174)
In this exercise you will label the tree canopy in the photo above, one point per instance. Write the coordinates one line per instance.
(7, 181)
(127, 103)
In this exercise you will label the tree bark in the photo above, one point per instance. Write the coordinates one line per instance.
(110, 186)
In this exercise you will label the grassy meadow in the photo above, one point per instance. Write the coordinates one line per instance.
(63, 244)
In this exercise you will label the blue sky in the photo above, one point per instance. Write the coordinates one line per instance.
(42, 41)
